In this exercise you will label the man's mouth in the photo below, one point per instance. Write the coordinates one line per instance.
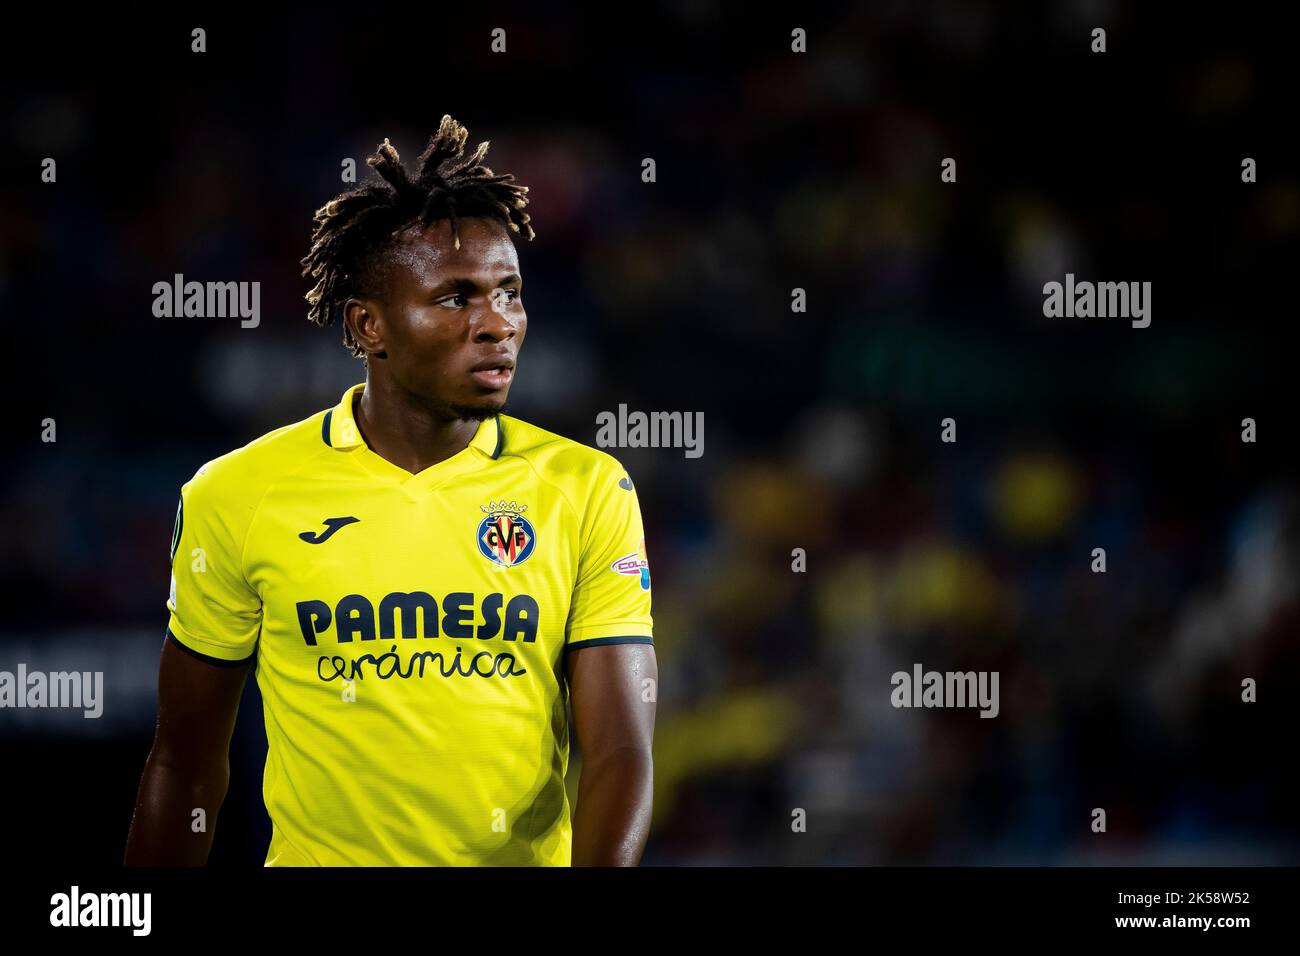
(494, 373)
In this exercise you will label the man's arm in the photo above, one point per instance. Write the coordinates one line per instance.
(189, 765)
(613, 689)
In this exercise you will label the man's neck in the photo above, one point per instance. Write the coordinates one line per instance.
(400, 428)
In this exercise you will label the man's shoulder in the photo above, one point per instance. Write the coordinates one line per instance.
(555, 458)
(247, 471)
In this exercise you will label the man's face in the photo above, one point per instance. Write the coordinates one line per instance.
(451, 320)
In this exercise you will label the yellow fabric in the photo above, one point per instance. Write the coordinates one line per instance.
(412, 678)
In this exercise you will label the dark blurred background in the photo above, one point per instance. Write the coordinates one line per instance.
(776, 170)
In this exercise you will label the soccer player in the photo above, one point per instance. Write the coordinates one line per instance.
(420, 582)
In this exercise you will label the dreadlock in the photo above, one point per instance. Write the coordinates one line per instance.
(356, 230)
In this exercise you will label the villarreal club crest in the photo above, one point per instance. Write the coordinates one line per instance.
(505, 536)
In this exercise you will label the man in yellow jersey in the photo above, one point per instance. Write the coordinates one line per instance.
(420, 582)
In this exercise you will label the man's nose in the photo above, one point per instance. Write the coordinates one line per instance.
(491, 324)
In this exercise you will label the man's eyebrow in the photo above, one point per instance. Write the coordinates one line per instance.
(464, 284)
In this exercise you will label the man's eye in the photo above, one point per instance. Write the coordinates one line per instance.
(459, 300)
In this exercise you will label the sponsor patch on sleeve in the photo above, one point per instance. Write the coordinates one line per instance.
(636, 564)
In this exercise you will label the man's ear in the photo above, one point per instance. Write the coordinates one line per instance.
(366, 323)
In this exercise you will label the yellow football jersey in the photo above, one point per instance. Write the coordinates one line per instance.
(410, 630)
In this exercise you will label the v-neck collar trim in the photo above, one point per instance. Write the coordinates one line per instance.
(339, 431)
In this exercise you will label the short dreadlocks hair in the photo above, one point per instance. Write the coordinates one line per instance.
(356, 230)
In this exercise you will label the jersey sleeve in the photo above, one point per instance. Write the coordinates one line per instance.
(611, 596)
(215, 614)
